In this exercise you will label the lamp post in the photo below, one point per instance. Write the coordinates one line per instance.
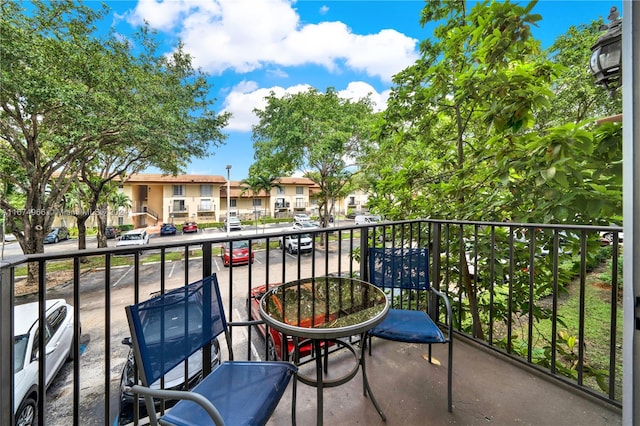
(228, 195)
(606, 54)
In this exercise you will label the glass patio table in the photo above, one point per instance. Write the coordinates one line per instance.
(330, 310)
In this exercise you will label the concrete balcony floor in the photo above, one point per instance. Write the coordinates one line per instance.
(487, 389)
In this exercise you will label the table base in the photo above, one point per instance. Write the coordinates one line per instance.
(322, 365)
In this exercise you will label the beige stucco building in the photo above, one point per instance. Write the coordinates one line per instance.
(157, 198)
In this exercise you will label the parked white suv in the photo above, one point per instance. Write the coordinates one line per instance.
(295, 245)
(136, 237)
(301, 217)
(58, 348)
(234, 224)
(363, 219)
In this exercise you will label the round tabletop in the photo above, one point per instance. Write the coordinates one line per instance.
(324, 307)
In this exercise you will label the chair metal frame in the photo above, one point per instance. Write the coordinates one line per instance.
(198, 333)
(404, 272)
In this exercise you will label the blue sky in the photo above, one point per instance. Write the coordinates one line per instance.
(252, 47)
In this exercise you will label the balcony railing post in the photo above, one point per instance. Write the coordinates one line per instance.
(435, 269)
(364, 253)
(207, 254)
(6, 344)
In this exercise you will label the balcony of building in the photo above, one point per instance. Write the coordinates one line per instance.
(515, 372)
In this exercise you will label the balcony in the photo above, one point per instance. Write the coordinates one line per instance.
(498, 376)
(206, 208)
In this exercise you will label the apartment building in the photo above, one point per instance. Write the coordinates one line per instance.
(157, 198)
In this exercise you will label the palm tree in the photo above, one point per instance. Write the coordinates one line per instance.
(111, 196)
(251, 183)
(257, 184)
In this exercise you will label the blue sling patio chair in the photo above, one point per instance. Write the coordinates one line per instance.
(404, 274)
(168, 328)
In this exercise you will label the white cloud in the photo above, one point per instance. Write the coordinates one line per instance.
(247, 96)
(357, 90)
(245, 35)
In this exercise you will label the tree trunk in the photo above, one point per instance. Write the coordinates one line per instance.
(101, 215)
(35, 227)
(82, 233)
(473, 298)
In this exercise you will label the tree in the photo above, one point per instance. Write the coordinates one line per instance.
(259, 184)
(475, 80)
(317, 133)
(252, 184)
(459, 137)
(72, 104)
(577, 98)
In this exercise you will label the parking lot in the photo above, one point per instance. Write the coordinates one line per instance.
(99, 338)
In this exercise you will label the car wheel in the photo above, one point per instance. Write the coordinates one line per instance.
(56, 240)
(271, 350)
(280, 245)
(27, 414)
(290, 249)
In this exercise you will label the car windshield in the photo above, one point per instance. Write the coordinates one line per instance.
(132, 237)
(173, 324)
(307, 225)
(237, 245)
(19, 350)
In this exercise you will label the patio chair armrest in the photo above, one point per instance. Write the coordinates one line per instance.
(211, 410)
(245, 323)
(447, 304)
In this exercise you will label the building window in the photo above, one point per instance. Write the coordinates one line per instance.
(178, 205)
(299, 190)
(120, 220)
(205, 205)
(257, 202)
(232, 203)
(352, 201)
(300, 203)
(280, 190)
(178, 190)
(206, 190)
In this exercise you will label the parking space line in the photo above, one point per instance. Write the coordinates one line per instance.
(122, 277)
(254, 351)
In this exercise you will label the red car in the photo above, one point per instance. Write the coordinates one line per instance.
(189, 227)
(240, 253)
(274, 340)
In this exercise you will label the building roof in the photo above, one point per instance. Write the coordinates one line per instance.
(295, 181)
(159, 178)
(236, 186)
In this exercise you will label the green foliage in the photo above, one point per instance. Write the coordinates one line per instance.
(105, 107)
(467, 135)
(577, 97)
(311, 132)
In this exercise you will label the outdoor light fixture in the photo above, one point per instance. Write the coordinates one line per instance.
(606, 56)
